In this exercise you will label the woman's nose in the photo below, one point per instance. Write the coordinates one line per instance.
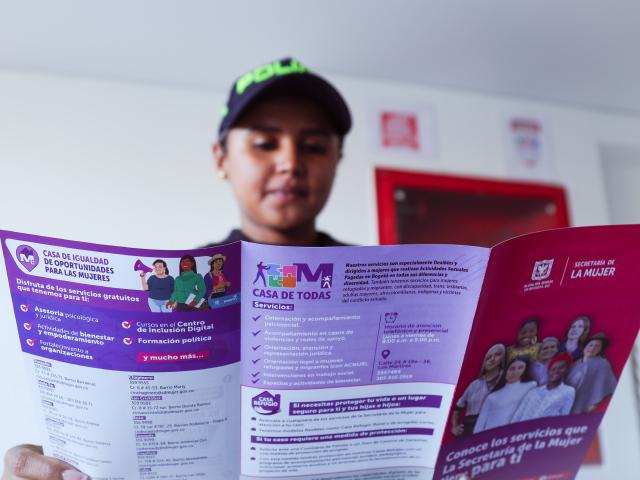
(289, 158)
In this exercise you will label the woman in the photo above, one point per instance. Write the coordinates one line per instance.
(215, 281)
(159, 286)
(527, 342)
(548, 348)
(552, 399)
(576, 336)
(499, 406)
(189, 288)
(471, 401)
(592, 376)
(279, 145)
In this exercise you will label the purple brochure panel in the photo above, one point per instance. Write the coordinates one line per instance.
(556, 322)
(134, 354)
(350, 355)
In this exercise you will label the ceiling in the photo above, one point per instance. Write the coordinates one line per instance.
(580, 52)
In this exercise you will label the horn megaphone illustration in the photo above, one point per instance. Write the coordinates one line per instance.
(141, 267)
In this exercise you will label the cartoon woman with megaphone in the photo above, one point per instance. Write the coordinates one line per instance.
(159, 285)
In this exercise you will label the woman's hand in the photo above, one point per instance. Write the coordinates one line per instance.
(26, 462)
(457, 430)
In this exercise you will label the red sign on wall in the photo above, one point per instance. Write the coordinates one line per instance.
(399, 130)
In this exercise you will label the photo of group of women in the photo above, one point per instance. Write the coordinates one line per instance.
(187, 291)
(537, 376)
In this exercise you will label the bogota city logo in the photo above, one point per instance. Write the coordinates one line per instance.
(542, 269)
(28, 257)
(275, 275)
(266, 404)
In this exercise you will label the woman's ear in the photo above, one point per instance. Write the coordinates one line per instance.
(219, 158)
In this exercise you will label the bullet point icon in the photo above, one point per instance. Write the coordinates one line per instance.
(255, 319)
(127, 340)
(126, 324)
(24, 307)
(27, 325)
(31, 342)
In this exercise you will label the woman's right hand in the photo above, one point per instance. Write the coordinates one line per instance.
(26, 462)
(457, 430)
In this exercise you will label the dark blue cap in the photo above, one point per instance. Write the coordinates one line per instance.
(288, 77)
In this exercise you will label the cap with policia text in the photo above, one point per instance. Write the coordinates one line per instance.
(286, 76)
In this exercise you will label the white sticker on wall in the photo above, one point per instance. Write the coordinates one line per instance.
(529, 154)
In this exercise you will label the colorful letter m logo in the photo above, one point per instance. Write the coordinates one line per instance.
(288, 276)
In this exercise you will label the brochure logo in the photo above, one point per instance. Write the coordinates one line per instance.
(266, 404)
(276, 275)
(28, 257)
(542, 270)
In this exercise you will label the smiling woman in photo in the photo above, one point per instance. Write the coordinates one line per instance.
(471, 401)
(552, 399)
(592, 376)
(576, 336)
(548, 348)
(499, 407)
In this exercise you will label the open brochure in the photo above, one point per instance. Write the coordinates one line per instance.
(388, 362)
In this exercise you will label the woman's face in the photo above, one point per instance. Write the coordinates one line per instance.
(186, 264)
(576, 329)
(159, 268)
(218, 263)
(592, 348)
(557, 372)
(547, 351)
(515, 371)
(527, 334)
(493, 359)
(281, 159)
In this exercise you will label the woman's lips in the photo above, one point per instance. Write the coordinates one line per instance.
(287, 194)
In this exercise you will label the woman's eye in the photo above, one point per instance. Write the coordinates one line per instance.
(314, 148)
(265, 145)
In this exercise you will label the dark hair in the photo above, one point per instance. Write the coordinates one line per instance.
(603, 339)
(164, 264)
(190, 257)
(526, 376)
(534, 320)
(211, 264)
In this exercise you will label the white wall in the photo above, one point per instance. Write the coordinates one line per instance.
(92, 160)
